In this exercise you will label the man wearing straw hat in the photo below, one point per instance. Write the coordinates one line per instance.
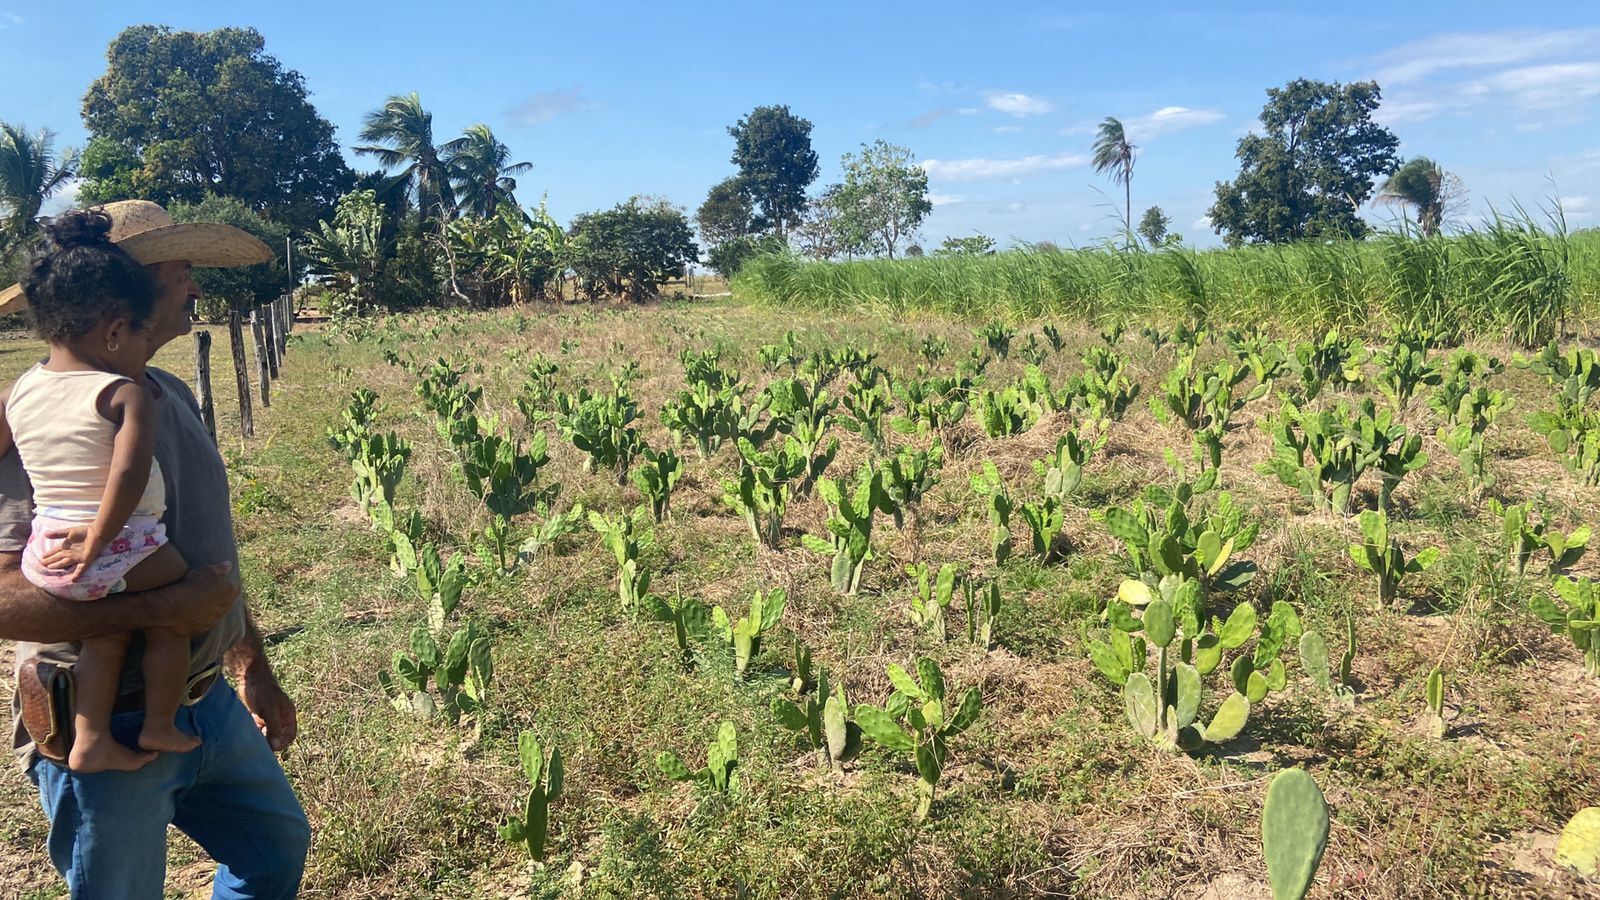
(108, 830)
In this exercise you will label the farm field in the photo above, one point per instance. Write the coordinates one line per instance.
(1049, 790)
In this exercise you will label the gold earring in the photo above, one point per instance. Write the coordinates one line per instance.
(111, 346)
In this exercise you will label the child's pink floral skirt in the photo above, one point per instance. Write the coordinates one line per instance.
(142, 536)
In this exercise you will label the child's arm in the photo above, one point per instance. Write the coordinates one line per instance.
(131, 452)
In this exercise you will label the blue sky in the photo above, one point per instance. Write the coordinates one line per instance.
(613, 99)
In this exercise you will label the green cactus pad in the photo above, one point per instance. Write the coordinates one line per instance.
(1294, 833)
(1140, 699)
(1579, 845)
(1229, 720)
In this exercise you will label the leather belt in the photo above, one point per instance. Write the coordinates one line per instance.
(199, 684)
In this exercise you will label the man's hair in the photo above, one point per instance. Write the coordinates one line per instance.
(80, 279)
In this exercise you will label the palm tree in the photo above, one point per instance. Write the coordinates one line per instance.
(400, 135)
(1425, 186)
(1113, 154)
(480, 171)
(30, 173)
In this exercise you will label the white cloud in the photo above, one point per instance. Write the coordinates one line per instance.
(1543, 87)
(982, 169)
(938, 199)
(9, 19)
(546, 105)
(1201, 224)
(1575, 204)
(1017, 104)
(1008, 129)
(63, 199)
(1168, 119)
(1418, 59)
(1395, 111)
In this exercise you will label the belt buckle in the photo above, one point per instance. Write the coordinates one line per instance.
(207, 675)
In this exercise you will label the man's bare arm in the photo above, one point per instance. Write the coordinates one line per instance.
(190, 606)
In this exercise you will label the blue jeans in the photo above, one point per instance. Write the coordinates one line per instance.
(108, 830)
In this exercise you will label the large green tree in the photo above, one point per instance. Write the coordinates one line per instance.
(884, 193)
(245, 287)
(399, 135)
(1113, 155)
(630, 249)
(1308, 175)
(481, 172)
(1426, 188)
(772, 148)
(30, 172)
(181, 115)
(726, 214)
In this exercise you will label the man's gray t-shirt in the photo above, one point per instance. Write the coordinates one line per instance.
(199, 525)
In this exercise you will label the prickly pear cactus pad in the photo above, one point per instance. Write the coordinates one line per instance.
(1294, 832)
(1579, 846)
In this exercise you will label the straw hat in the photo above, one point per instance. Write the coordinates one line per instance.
(150, 236)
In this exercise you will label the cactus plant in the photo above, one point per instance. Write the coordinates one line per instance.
(1578, 846)
(930, 601)
(983, 608)
(1007, 412)
(556, 526)
(745, 635)
(1044, 518)
(1381, 554)
(1577, 617)
(1524, 538)
(1062, 470)
(1103, 392)
(997, 337)
(657, 478)
(767, 480)
(930, 404)
(530, 827)
(721, 771)
(849, 525)
(687, 617)
(998, 500)
(1316, 663)
(1163, 539)
(1404, 369)
(461, 669)
(908, 475)
(823, 716)
(501, 474)
(1435, 694)
(602, 426)
(867, 405)
(1294, 833)
(1200, 398)
(916, 720)
(627, 545)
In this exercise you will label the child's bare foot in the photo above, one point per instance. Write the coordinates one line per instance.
(102, 753)
(166, 738)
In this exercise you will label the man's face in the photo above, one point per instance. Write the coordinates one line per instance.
(176, 294)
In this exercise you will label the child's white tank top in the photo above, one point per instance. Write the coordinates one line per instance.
(66, 444)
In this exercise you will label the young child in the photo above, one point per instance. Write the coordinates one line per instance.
(83, 424)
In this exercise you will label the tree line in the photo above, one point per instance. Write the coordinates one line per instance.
(212, 126)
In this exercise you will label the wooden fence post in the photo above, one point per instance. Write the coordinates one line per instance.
(258, 330)
(272, 341)
(280, 332)
(202, 377)
(241, 374)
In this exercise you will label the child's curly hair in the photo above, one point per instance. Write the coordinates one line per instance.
(80, 279)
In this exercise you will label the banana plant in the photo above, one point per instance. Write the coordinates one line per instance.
(627, 545)
(931, 600)
(1524, 538)
(530, 827)
(656, 479)
(916, 720)
(745, 635)
(849, 525)
(688, 618)
(983, 609)
(908, 476)
(721, 771)
(1577, 616)
(823, 716)
(997, 499)
(1062, 470)
(1381, 554)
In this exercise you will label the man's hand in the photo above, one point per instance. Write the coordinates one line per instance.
(269, 706)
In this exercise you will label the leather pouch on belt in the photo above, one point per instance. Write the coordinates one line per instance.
(46, 691)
